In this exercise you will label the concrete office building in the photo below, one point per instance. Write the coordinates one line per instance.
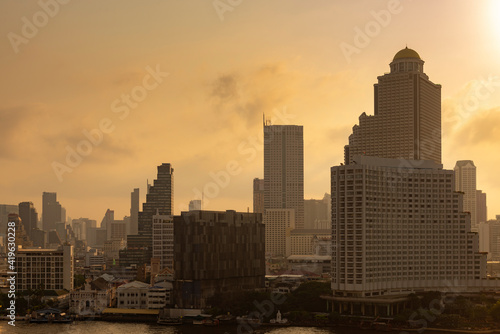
(217, 252)
(465, 181)
(317, 213)
(407, 117)
(134, 212)
(5, 210)
(481, 207)
(278, 222)
(52, 211)
(284, 169)
(51, 268)
(195, 204)
(29, 216)
(258, 195)
(163, 241)
(306, 241)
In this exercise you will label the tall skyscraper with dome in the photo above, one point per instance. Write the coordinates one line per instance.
(407, 115)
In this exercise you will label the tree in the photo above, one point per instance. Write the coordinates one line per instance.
(495, 311)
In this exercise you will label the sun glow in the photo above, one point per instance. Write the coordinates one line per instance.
(494, 9)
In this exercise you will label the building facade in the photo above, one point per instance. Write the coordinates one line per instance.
(29, 217)
(400, 229)
(407, 117)
(52, 269)
(284, 169)
(465, 181)
(52, 211)
(217, 252)
(278, 222)
(258, 195)
(163, 241)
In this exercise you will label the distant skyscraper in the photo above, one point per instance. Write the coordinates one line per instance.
(317, 212)
(284, 169)
(258, 195)
(465, 181)
(407, 118)
(51, 213)
(481, 207)
(21, 236)
(29, 216)
(194, 205)
(163, 240)
(278, 223)
(159, 197)
(134, 211)
(5, 209)
(159, 200)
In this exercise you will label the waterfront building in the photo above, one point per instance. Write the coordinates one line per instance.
(53, 269)
(217, 252)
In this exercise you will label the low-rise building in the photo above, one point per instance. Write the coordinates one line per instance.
(92, 299)
(53, 269)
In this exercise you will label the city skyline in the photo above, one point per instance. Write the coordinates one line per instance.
(311, 69)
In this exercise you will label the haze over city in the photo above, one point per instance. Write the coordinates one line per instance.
(208, 75)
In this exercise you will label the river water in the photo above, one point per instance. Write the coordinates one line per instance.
(101, 327)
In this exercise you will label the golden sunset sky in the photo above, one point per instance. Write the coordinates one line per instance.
(311, 63)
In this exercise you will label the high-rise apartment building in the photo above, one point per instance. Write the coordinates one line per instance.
(29, 216)
(163, 240)
(317, 212)
(51, 213)
(258, 195)
(284, 169)
(134, 212)
(481, 207)
(398, 224)
(278, 223)
(195, 204)
(16, 228)
(407, 117)
(5, 210)
(398, 228)
(159, 197)
(465, 181)
(159, 200)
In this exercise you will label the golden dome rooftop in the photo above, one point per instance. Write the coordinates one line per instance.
(406, 53)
